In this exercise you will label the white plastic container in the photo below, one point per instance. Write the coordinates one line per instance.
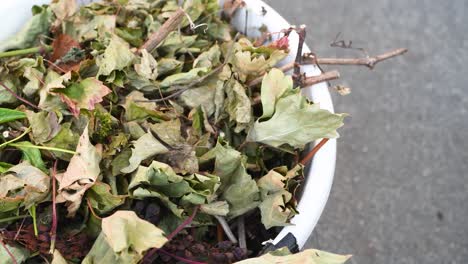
(319, 174)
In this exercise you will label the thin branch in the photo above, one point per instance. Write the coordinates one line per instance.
(324, 77)
(184, 224)
(226, 228)
(187, 221)
(8, 251)
(297, 77)
(55, 65)
(309, 59)
(170, 25)
(369, 62)
(311, 154)
(19, 97)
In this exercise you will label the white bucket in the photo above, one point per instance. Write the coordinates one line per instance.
(319, 174)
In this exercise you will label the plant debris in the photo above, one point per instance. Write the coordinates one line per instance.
(135, 131)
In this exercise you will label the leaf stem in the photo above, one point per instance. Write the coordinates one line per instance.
(88, 202)
(186, 222)
(16, 138)
(8, 219)
(44, 148)
(27, 51)
(32, 211)
(18, 97)
(311, 154)
(53, 228)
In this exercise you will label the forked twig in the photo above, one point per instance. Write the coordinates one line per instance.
(309, 59)
(369, 62)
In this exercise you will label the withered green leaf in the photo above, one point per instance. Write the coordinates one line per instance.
(124, 239)
(117, 56)
(143, 148)
(296, 122)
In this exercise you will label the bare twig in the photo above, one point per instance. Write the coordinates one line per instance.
(226, 228)
(19, 97)
(297, 77)
(170, 25)
(369, 62)
(309, 58)
(149, 255)
(324, 77)
(311, 154)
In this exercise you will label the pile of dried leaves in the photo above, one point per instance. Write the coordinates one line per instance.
(135, 131)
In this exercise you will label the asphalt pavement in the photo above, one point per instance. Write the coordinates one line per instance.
(400, 193)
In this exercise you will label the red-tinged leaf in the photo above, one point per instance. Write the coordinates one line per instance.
(83, 95)
(281, 43)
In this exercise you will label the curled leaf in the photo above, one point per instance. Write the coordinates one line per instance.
(274, 85)
(308, 256)
(26, 183)
(117, 56)
(124, 239)
(101, 198)
(81, 173)
(296, 123)
(145, 147)
(148, 66)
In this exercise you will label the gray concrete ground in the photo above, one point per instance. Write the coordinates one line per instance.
(401, 185)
